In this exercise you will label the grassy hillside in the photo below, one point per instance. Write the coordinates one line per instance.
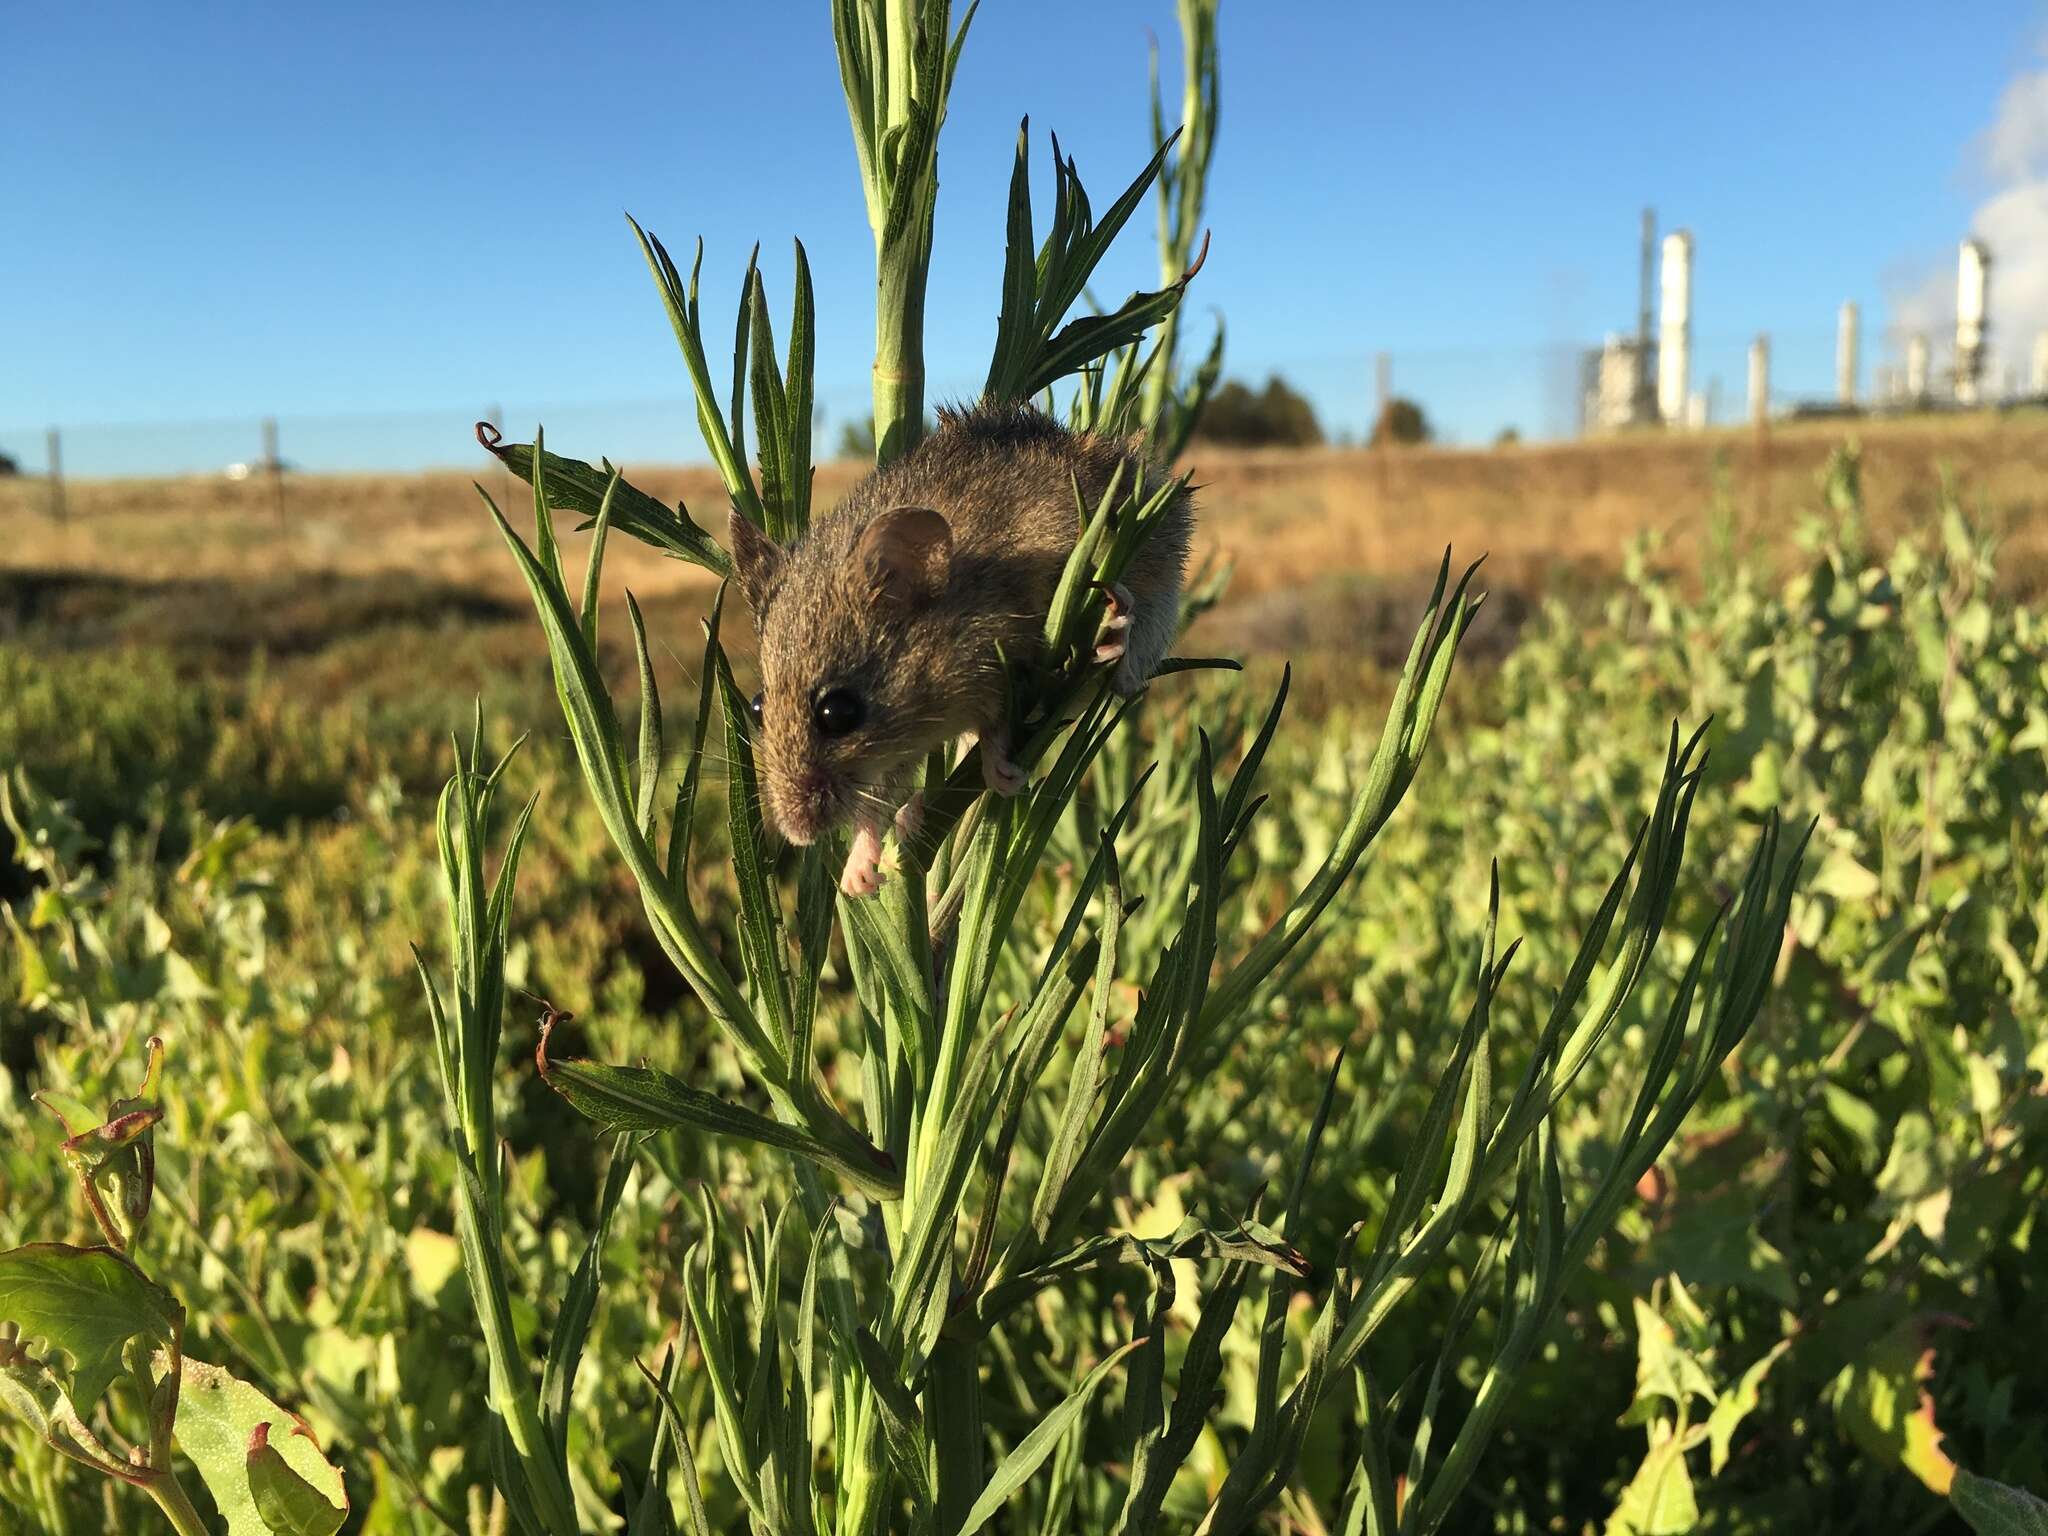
(1327, 545)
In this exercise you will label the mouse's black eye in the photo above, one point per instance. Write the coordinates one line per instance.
(837, 711)
(754, 706)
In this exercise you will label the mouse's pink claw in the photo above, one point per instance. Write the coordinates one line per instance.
(1114, 636)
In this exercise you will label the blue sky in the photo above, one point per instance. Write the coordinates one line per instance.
(378, 211)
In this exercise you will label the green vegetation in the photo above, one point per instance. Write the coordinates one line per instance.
(1856, 1186)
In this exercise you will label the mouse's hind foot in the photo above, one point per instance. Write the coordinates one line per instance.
(1113, 640)
(1135, 637)
(998, 772)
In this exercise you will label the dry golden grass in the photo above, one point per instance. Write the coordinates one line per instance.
(1316, 537)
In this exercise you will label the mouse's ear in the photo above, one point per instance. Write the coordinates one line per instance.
(907, 554)
(757, 562)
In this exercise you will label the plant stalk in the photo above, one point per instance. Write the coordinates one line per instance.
(172, 1499)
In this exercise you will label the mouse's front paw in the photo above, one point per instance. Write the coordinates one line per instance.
(863, 873)
(860, 878)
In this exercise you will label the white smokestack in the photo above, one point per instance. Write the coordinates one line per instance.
(1916, 367)
(1847, 326)
(1674, 331)
(1760, 380)
(1973, 298)
(2037, 383)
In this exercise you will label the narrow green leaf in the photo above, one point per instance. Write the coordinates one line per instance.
(647, 757)
(761, 924)
(579, 1304)
(593, 569)
(799, 397)
(902, 1424)
(1016, 1468)
(626, 1099)
(576, 487)
(679, 828)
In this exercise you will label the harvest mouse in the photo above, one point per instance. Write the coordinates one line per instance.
(884, 629)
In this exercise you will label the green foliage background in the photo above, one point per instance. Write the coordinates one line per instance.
(1837, 1254)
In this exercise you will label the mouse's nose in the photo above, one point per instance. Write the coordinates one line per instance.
(802, 803)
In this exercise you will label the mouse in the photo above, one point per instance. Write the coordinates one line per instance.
(884, 629)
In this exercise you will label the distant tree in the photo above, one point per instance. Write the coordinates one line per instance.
(8, 466)
(1507, 437)
(857, 438)
(1248, 418)
(1401, 422)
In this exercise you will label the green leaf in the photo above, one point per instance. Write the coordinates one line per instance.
(1993, 1509)
(674, 1433)
(1736, 1406)
(1843, 878)
(285, 1501)
(647, 758)
(223, 1423)
(763, 947)
(681, 305)
(579, 1302)
(622, 1099)
(574, 486)
(903, 1428)
(1665, 1369)
(1882, 1401)
(1024, 1460)
(1659, 1500)
(432, 1259)
(30, 1393)
(87, 1303)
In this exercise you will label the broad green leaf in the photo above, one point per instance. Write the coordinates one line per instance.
(432, 1260)
(85, 1303)
(285, 1501)
(1881, 1400)
(1664, 1367)
(1659, 1500)
(1842, 877)
(1993, 1509)
(219, 1419)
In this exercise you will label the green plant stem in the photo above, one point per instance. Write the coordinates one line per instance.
(953, 1409)
(899, 346)
(171, 1498)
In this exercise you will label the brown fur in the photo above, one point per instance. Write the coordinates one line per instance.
(915, 618)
